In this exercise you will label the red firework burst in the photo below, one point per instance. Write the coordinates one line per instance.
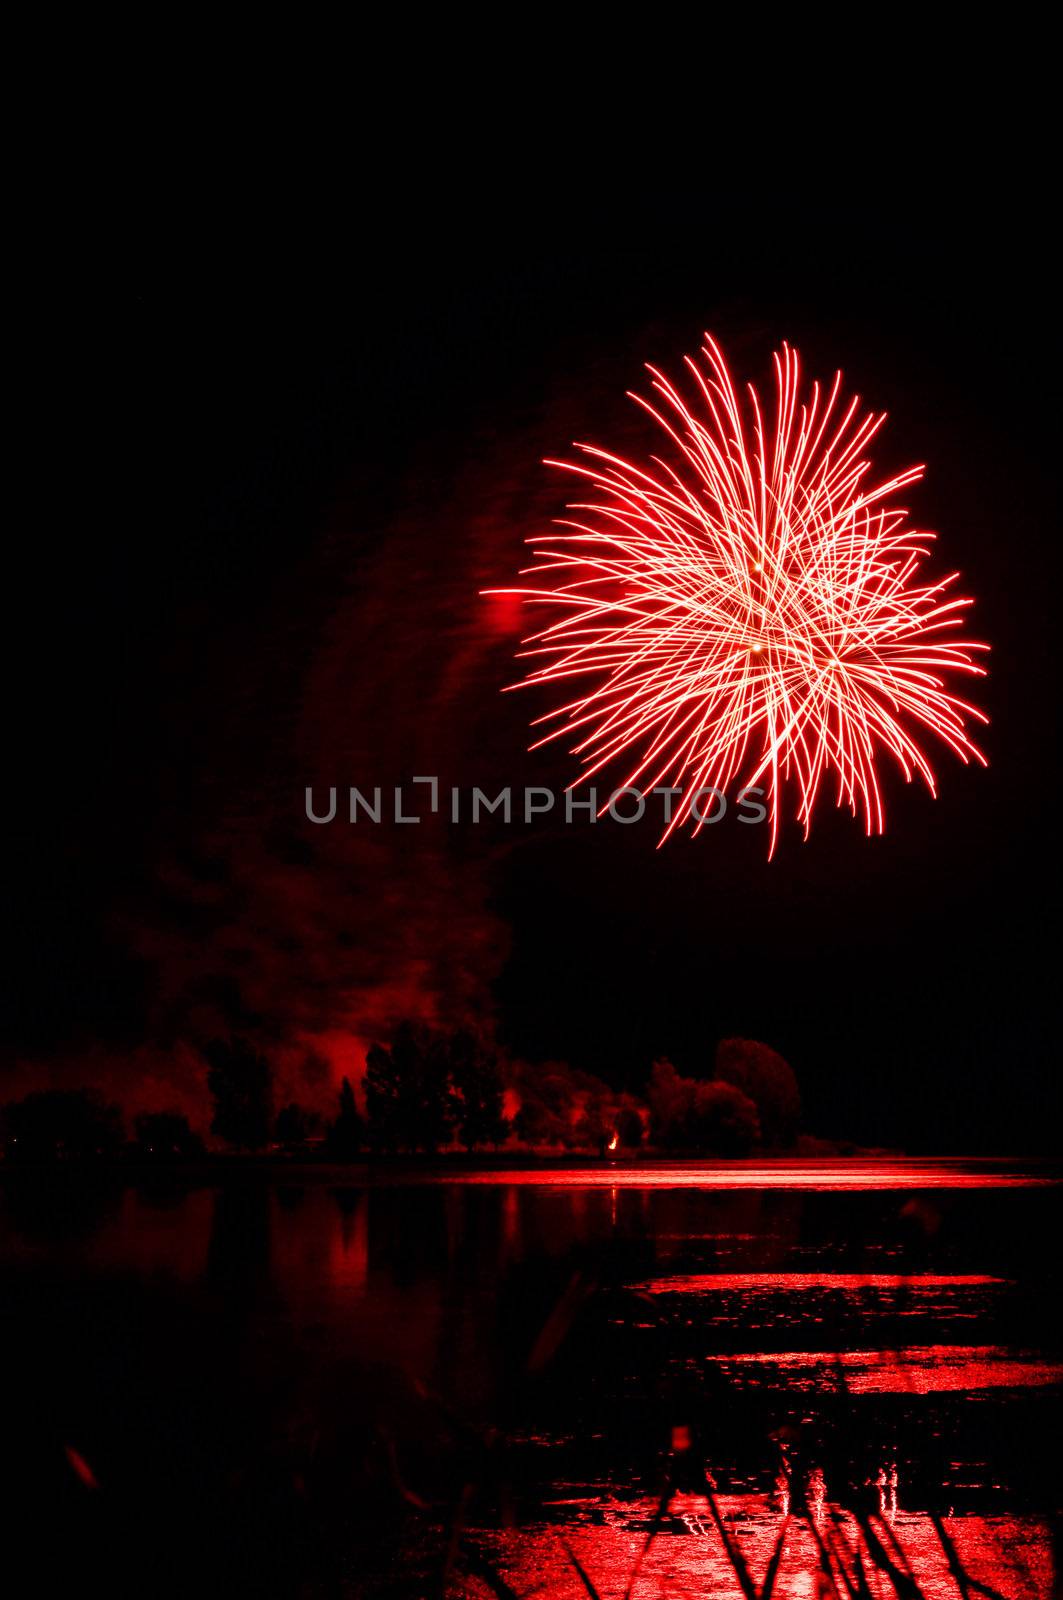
(752, 607)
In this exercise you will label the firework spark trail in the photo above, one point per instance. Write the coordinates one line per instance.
(752, 606)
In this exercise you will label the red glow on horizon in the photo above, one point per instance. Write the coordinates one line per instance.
(751, 611)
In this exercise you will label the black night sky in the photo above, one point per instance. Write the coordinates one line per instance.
(298, 415)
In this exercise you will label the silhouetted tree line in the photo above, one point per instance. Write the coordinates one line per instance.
(751, 1101)
(240, 1081)
(80, 1125)
(427, 1089)
(62, 1124)
(562, 1107)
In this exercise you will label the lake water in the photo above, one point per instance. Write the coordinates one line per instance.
(553, 1382)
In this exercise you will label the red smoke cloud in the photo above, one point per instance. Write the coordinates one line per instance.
(375, 660)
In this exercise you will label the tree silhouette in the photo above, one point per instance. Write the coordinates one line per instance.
(477, 1082)
(596, 1123)
(293, 1125)
(62, 1124)
(561, 1105)
(345, 1134)
(543, 1120)
(768, 1080)
(724, 1120)
(166, 1134)
(629, 1127)
(407, 1091)
(704, 1117)
(240, 1081)
(382, 1105)
(669, 1100)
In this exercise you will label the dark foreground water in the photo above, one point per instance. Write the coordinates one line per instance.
(666, 1381)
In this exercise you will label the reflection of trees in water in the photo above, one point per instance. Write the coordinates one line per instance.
(407, 1233)
(163, 1190)
(56, 1206)
(238, 1256)
(836, 1478)
(511, 1362)
(739, 1230)
(291, 1197)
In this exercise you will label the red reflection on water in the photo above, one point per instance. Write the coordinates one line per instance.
(349, 1248)
(768, 1282)
(914, 1369)
(828, 1175)
(1008, 1556)
(148, 1239)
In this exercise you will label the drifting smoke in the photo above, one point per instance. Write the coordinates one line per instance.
(379, 660)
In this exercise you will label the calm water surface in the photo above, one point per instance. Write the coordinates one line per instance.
(322, 1383)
